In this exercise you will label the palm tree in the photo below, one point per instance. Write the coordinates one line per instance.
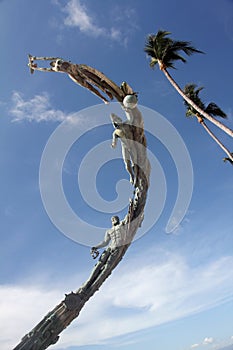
(192, 91)
(164, 51)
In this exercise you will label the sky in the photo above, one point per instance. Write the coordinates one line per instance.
(61, 181)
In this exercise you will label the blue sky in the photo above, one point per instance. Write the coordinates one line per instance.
(172, 291)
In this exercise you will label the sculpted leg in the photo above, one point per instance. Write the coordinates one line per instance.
(127, 161)
(97, 269)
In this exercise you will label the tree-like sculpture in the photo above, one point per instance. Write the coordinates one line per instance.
(120, 236)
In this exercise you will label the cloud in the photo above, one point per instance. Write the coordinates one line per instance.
(21, 308)
(207, 340)
(79, 16)
(36, 109)
(163, 290)
(223, 344)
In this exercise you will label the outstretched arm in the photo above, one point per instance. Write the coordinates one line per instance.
(105, 242)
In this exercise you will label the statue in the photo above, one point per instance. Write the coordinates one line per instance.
(133, 143)
(119, 237)
(124, 131)
(114, 238)
(84, 76)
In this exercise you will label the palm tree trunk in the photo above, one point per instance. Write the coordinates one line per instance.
(201, 121)
(198, 109)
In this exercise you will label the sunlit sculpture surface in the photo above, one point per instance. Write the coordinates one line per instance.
(120, 236)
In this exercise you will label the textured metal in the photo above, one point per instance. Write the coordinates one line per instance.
(46, 332)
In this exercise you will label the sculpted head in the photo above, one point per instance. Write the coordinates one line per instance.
(115, 220)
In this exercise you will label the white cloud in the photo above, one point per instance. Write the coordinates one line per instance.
(79, 16)
(36, 109)
(161, 291)
(21, 308)
(207, 340)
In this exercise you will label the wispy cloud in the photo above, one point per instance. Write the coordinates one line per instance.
(171, 289)
(37, 109)
(206, 341)
(214, 343)
(78, 15)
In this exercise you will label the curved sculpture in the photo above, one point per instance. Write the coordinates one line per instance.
(120, 236)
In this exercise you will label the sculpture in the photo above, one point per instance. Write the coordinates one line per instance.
(120, 236)
(114, 238)
(129, 153)
(133, 144)
(84, 76)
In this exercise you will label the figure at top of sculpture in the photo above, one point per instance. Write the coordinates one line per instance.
(75, 73)
(86, 77)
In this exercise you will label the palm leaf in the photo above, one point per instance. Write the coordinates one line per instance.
(215, 110)
(192, 91)
(164, 49)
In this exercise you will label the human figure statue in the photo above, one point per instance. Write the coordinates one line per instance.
(83, 75)
(87, 81)
(134, 152)
(114, 238)
(124, 131)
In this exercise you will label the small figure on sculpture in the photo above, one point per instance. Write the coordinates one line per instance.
(133, 142)
(114, 237)
(124, 131)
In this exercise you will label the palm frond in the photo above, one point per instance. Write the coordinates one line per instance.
(192, 91)
(186, 47)
(215, 110)
(153, 62)
(166, 50)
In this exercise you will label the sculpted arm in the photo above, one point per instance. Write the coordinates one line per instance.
(105, 242)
